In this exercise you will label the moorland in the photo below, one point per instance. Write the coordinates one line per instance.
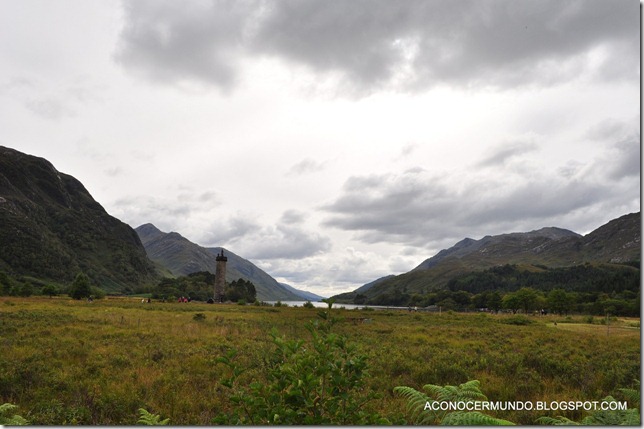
(67, 361)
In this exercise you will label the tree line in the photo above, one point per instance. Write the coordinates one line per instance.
(197, 286)
(584, 289)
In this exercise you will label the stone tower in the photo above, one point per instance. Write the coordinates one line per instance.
(220, 277)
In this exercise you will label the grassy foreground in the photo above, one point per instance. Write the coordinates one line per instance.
(74, 362)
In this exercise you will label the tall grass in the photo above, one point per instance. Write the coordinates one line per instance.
(74, 362)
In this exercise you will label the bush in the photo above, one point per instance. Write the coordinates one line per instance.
(315, 384)
(517, 320)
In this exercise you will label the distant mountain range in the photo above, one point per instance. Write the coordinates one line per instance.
(51, 229)
(182, 257)
(616, 242)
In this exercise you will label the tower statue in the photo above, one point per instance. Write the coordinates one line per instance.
(220, 277)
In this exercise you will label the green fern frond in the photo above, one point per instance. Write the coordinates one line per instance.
(473, 418)
(467, 392)
(556, 421)
(633, 396)
(608, 417)
(416, 401)
(8, 418)
(149, 419)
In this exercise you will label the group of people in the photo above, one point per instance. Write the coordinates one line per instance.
(184, 299)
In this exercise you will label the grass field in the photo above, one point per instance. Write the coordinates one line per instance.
(74, 362)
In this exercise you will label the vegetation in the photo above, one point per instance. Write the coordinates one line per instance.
(586, 289)
(8, 418)
(68, 361)
(200, 286)
(421, 411)
(320, 383)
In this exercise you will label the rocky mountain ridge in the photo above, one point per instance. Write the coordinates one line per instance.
(616, 242)
(51, 229)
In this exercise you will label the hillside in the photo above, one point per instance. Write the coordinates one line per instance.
(182, 257)
(616, 242)
(51, 229)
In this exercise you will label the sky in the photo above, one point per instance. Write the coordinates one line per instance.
(332, 142)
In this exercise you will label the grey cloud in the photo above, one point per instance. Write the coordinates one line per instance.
(306, 166)
(172, 42)
(625, 158)
(287, 242)
(292, 217)
(50, 108)
(506, 152)
(401, 45)
(288, 239)
(424, 210)
(622, 157)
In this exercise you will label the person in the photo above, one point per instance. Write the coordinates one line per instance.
(149, 300)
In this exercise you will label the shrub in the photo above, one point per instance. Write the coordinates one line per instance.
(148, 419)
(517, 320)
(8, 418)
(318, 383)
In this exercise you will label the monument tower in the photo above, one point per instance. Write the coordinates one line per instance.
(220, 276)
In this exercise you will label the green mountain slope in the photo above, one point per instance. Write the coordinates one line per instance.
(183, 257)
(51, 228)
(616, 242)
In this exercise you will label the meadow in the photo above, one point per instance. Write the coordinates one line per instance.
(66, 362)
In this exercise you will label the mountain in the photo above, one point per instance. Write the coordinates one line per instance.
(51, 229)
(517, 247)
(182, 257)
(308, 296)
(616, 242)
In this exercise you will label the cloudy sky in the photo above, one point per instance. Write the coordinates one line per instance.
(332, 142)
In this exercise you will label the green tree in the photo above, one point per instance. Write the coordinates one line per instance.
(80, 287)
(494, 301)
(5, 284)
(511, 302)
(26, 289)
(527, 298)
(559, 301)
(49, 290)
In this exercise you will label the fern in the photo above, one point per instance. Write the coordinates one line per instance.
(473, 418)
(415, 403)
(629, 417)
(556, 421)
(632, 395)
(149, 419)
(467, 392)
(7, 418)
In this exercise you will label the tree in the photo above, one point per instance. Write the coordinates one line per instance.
(511, 302)
(527, 298)
(5, 284)
(241, 289)
(80, 287)
(494, 301)
(26, 289)
(49, 290)
(559, 301)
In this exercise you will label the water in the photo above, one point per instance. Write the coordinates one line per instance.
(337, 305)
